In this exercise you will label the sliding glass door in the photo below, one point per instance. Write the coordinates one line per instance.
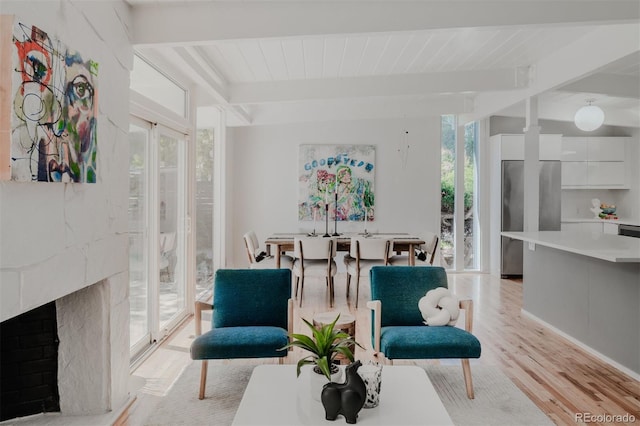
(171, 232)
(140, 318)
(157, 232)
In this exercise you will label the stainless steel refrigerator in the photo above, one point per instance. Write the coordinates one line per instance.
(513, 208)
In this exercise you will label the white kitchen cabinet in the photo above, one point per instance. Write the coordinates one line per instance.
(610, 228)
(605, 173)
(592, 227)
(571, 226)
(594, 162)
(574, 173)
(582, 227)
(606, 149)
(511, 147)
(574, 149)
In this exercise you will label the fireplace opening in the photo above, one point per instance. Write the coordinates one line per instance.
(29, 363)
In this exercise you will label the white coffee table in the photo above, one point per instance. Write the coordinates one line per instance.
(274, 396)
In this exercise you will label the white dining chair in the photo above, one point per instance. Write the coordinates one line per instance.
(429, 248)
(314, 257)
(258, 258)
(365, 253)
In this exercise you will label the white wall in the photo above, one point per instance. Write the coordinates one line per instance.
(265, 169)
(56, 232)
(57, 238)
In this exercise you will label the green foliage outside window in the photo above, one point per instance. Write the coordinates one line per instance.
(448, 166)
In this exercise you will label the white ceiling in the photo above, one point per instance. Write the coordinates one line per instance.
(283, 61)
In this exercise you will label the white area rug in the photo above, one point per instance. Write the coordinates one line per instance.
(497, 400)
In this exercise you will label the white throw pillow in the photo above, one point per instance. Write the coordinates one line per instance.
(439, 307)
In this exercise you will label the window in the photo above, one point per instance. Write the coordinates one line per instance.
(470, 250)
(204, 210)
(154, 85)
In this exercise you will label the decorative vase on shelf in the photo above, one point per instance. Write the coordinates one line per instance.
(595, 203)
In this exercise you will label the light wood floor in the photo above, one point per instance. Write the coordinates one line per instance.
(559, 377)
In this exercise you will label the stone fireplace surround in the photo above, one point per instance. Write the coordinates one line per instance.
(69, 243)
(93, 355)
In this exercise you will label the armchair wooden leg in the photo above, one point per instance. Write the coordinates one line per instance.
(332, 291)
(466, 369)
(301, 289)
(348, 283)
(281, 360)
(357, 289)
(203, 379)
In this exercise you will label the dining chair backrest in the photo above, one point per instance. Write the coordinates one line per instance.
(251, 244)
(314, 248)
(431, 242)
(369, 248)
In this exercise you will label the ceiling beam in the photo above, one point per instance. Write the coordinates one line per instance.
(359, 109)
(201, 71)
(553, 111)
(193, 64)
(568, 64)
(371, 86)
(179, 23)
(616, 85)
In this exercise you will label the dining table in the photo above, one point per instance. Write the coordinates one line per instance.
(401, 242)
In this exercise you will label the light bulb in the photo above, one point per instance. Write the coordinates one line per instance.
(589, 118)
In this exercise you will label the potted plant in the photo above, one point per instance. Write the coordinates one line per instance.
(325, 343)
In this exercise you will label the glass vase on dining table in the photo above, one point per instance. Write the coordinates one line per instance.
(314, 209)
(335, 217)
(366, 233)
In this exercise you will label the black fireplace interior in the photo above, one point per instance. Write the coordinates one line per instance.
(29, 363)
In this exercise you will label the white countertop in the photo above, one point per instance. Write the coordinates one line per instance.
(612, 248)
(619, 221)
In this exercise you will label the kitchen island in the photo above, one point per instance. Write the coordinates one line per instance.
(586, 286)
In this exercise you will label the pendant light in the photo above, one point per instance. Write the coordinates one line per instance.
(589, 117)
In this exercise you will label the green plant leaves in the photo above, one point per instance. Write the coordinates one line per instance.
(325, 344)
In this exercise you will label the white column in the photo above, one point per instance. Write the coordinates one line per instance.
(531, 166)
(458, 217)
(191, 212)
(484, 192)
(220, 192)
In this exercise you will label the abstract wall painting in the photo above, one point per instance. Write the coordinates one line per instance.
(52, 135)
(338, 176)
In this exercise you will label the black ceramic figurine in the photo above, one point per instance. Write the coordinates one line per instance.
(345, 398)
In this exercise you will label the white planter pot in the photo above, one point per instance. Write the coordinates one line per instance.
(317, 381)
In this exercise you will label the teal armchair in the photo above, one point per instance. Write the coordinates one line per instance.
(397, 328)
(252, 317)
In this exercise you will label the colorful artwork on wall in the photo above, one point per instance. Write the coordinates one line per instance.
(338, 176)
(54, 109)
